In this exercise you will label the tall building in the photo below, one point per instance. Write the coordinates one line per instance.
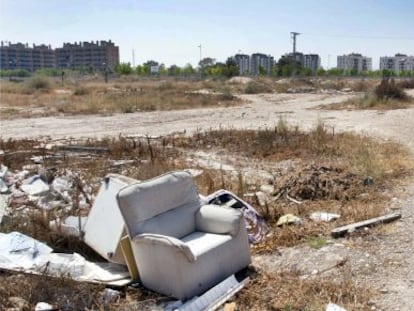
(259, 61)
(312, 62)
(99, 55)
(355, 62)
(243, 62)
(398, 63)
(22, 56)
(309, 61)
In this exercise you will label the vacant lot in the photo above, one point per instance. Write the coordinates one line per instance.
(282, 143)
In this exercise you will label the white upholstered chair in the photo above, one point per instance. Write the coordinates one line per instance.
(181, 247)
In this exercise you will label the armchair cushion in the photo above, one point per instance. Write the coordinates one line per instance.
(158, 240)
(143, 201)
(218, 219)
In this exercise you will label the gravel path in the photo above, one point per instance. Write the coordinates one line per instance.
(393, 273)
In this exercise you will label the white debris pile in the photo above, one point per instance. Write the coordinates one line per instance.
(48, 190)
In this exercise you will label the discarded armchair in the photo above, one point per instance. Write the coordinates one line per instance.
(181, 247)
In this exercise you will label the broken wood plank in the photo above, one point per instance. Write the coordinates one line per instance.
(79, 148)
(341, 231)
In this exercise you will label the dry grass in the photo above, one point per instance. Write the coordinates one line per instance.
(287, 291)
(40, 96)
(387, 95)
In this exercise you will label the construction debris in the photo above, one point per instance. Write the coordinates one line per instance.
(341, 231)
(288, 219)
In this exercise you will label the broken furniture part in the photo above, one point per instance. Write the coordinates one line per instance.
(182, 248)
(341, 231)
(214, 297)
(255, 224)
(105, 226)
(129, 258)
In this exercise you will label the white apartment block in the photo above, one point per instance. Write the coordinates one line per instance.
(243, 61)
(355, 62)
(312, 62)
(398, 63)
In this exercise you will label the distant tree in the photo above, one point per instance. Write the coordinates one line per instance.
(207, 62)
(262, 71)
(123, 69)
(231, 69)
(288, 66)
(320, 72)
(188, 70)
(174, 70)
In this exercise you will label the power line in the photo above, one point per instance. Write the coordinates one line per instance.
(360, 37)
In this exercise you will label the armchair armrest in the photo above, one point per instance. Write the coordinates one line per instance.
(218, 219)
(165, 241)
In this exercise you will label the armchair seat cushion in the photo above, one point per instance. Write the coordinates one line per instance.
(201, 242)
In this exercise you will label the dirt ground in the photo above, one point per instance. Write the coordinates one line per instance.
(389, 265)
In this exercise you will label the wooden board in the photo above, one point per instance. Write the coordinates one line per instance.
(341, 231)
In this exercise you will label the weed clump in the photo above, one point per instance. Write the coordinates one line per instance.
(38, 83)
(388, 89)
(253, 87)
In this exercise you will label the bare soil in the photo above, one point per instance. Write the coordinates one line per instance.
(386, 260)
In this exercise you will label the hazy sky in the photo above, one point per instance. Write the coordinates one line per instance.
(170, 31)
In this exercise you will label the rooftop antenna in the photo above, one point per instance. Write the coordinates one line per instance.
(293, 35)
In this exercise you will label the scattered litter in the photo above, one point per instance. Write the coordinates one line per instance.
(43, 306)
(288, 219)
(110, 295)
(35, 186)
(333, 307)
(69, 226)
(255, 224)
(323, 216)
(341, 231)
(368, 181)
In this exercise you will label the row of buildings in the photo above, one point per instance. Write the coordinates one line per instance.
(105, 55)
(357, 63)
(259, 63)
(88, 55)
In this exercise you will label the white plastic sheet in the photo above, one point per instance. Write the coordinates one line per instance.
(23, 253)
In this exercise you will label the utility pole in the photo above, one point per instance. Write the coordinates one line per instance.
(293, 35)
(133, 58)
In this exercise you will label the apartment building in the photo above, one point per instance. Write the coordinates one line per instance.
(398, 63)
(91, 55)
(312, 62)
(243, 62)
(23, 56)
(355, 62)
(259, 61)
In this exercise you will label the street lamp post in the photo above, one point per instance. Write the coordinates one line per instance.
(201, 64)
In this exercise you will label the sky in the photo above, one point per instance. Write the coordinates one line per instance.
(171, 31)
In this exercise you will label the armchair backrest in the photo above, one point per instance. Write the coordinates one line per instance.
(163, 205)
